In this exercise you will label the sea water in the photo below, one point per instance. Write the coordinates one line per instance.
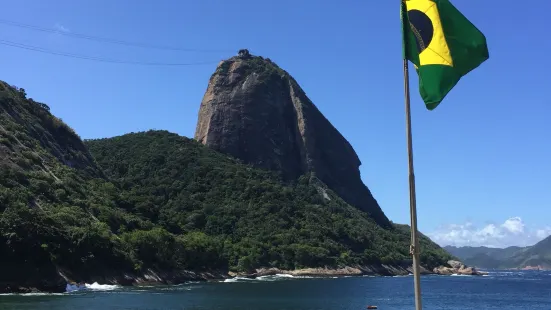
(504, 290)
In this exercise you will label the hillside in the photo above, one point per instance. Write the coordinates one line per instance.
(253, 219)
(483, 257)
(537, 256)
(56, 206)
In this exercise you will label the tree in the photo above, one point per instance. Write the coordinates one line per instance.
(22, 93)
(244, 53)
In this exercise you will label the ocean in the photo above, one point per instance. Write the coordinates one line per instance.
(504, 290)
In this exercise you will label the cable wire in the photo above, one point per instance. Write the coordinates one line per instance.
(107, 40)
(100, 59)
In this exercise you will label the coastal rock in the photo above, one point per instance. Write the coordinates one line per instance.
(455, 264)
(256, 112)
(148, 277)
(442, 270)
(457, 268)
(30, 278)
(370, 270)
(467, 271)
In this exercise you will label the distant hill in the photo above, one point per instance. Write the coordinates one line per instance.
(538, 255)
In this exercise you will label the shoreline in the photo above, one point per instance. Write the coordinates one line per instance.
(175, 277)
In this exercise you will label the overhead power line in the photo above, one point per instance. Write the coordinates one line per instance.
(100, 59)
(109, 40)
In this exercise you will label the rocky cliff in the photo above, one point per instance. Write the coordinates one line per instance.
(255, 111)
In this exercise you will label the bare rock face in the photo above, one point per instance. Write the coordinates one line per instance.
(455, 264)
(457, 268)
(257, 112)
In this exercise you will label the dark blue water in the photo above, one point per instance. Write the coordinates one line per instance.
(500, 290)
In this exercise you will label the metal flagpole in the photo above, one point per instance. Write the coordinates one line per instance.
(414, 247)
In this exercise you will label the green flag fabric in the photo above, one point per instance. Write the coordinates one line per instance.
(442, 44)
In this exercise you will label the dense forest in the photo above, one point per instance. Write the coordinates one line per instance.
(158, 200)
(248, 216)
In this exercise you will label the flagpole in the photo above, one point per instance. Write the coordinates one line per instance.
(414, 247)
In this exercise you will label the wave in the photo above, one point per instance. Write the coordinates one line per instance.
(462, 275)
(90, 287)
(270, 278)
(71, 289)
(32, 294)
(101, 287)
(401, 276)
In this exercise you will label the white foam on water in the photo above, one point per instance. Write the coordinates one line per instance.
(284, 275)
(270, 278)
(90, 287)
(237, 279)
(275, 277)
(32, 294)
(461, 275)
(101, 287)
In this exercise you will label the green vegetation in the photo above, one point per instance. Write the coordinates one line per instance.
(158, 200)
(267, 70)
(248, 216)
(55, 205)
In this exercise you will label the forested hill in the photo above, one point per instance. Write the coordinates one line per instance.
(259, 221)
(115, 209)
(537, 256)
(57, 210)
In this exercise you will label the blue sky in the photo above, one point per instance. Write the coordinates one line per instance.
(482, 158)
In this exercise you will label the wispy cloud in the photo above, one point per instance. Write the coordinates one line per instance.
(60, 27)
(511, 232)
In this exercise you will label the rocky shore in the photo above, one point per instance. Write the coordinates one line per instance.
(457, 268)
(453, 268)
(373, 270)
(58, 283)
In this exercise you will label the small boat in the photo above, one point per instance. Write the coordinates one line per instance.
(371, 307)
(73, 286)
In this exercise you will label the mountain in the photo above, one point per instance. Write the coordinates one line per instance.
(538, 256)
(483, 257)
(256, 112)
(157, 207)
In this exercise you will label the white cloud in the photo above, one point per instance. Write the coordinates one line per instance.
(60, 27)
(543, 233)
(512, 232)
(514, 225)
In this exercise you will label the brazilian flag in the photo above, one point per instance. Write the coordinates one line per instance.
(442, 44)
